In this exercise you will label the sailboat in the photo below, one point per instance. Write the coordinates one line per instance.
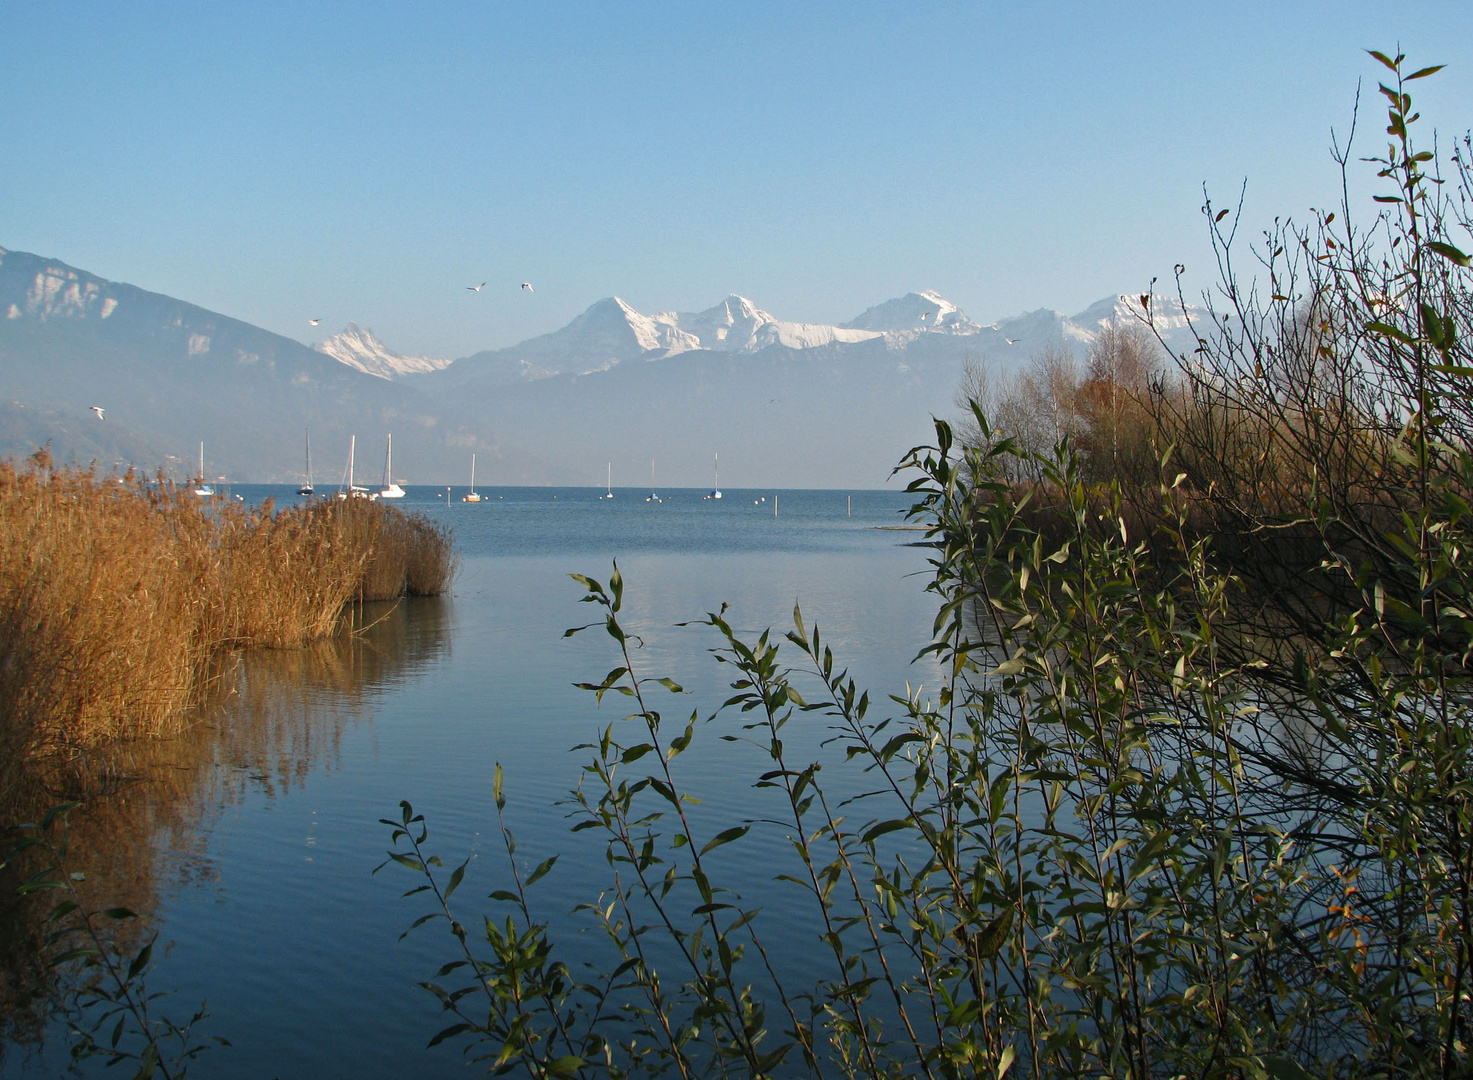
(348, 490)
(608, 483)
(390, 490)
(199, 487)
(306, 489)
(716, 488)
(472, 497)
(653, 497)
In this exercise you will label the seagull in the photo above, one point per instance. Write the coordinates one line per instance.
(925, 315)
(314, 322)
(98, 410)
(1013, 340)
(528, 286)
(476, 288)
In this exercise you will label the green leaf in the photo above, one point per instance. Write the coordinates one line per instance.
(1383, 58)
(1433, 70)
(542, 868)
(1387, 330)
(62, 910)
(447, 1033)
(616, 586)
(1005, 1061)
(420, 922)
(874, 832)
(119, 913)
(726, 836)
(1283, 1068)
(994, 934)
(140, 962)
(73, 954)
(496, 788)
(455, 877)
(565, 1066)
(60, 810)
(1431, 324)
(1447, 251)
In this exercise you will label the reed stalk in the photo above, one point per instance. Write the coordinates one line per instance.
(118, 598)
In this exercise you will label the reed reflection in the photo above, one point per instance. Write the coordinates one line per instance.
(271, 717)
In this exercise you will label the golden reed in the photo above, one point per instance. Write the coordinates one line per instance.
(118, 598)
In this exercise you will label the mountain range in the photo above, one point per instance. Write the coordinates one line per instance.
(787, 404)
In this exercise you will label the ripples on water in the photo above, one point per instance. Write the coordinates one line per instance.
(249, 843)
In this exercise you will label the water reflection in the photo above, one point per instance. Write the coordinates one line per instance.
(272, 717)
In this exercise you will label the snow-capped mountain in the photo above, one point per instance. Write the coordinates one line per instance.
(915, 311)
(611, 332)
(786, 403)
(358, 348)
(738, 325)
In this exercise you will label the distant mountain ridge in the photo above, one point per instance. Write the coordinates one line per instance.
(611, 332)
(170, 375)
(786, 403)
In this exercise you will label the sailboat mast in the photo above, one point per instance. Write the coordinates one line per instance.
(473, 474)
(389, 460)
(352, 442)
(202, 461)
(309, 457)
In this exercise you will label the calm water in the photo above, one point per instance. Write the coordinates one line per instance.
(249, 844)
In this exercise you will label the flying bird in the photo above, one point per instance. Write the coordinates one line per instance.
(98, 410)
(528, 286)
(314, 322)
(1013, 340)
(925, 315)
(476, 288)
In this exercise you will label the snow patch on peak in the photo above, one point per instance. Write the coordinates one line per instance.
(926, 310)
(738, 325)
(1167, 314)
(358, 348)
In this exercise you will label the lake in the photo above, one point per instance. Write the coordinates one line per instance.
(248, 845)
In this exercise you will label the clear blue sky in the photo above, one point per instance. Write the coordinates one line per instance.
(284, 161)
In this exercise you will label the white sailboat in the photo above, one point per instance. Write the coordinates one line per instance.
(653, 497)
(306, 489)
(716, 487)
(608, 483)
(472, 497)
(390, 490)
(347, 489)
(199, 487)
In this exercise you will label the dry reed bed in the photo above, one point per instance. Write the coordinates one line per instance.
(117, 599)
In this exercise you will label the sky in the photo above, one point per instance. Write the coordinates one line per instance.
(280, 162)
